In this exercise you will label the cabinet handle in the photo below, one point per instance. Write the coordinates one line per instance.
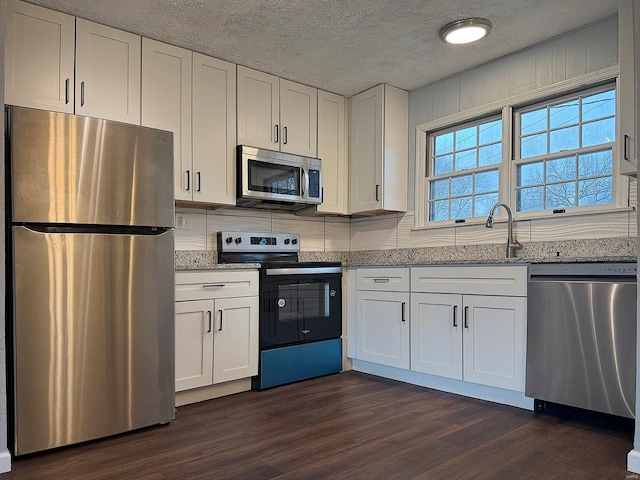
(403, 308)
(214, 285)
(626, 147)
(466, 317)
(198, 175)
(220, 329)
(210, 322)
(455, 315)
(66, 91)
(188, 176)
(276, 140)
(82, 94)
(377, 193)
(284, 135)
(380, 280)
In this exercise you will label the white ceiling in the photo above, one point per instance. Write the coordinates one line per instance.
(343, 46)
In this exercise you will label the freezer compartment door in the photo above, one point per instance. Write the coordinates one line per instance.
(73, 169)
(94, 335)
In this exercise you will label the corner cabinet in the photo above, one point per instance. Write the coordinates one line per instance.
(276, 114)
(469, 323)
(378, 150)
(42, 47)
(382, 319)
(332, 141)
(216, 327)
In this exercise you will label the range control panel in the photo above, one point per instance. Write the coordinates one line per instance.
(258, 242)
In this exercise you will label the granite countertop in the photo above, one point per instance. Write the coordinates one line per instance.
(622, 249)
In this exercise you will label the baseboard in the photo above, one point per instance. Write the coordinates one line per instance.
(633, 461)
(5, 461)
(214, 391)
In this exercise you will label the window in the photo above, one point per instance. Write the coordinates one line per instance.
(464, 170)
(556, 156)
(564, 152)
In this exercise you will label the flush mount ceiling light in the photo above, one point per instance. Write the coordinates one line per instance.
(465, 31)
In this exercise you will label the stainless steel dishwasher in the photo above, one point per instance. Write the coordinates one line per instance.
(581, 335)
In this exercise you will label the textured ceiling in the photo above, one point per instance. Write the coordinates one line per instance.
(343, 46)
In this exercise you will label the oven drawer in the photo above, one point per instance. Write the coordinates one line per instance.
(207, 284)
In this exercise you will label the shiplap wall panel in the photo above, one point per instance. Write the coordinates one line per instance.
(479, 234)
(599, 48)
(633, 224)
(467, 90)
(336, 234)
(558, 69)
(522, 72)
(435, 237)
(576, 53)
(544, 66)
(597, 225)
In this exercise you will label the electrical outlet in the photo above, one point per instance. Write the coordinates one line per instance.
(182, 221)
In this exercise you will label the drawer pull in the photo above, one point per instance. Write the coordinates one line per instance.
(380, 280)
(214, 285)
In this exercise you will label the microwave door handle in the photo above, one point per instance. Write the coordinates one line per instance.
(302, 183)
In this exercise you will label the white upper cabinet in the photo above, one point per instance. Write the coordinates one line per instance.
(39, 57)
(378, 150)
(332, 151)
(214, 131)
(166, 104)
(107, 72)
(276, 114)
(298, 117)
(627, 89)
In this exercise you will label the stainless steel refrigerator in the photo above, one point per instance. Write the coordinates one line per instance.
(91, 212)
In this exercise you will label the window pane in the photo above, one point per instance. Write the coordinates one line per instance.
(599, 105)
(487, 182)
(490, 155)
(462, 185)
(461, 207)
(561, 195)
(465, 160)
(491, 132)
(596, 191)
(529, 199)
(567, 113)
(466, 138)
(563, 139)
(595, 164)
(483, 204)
(596, 133)
(533, 146)
(439, 210)
(444, 143)
(561, 169)
(442, 165)
(531, 174)
(532, 122)
(439, 189)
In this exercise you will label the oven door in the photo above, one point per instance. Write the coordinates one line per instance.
(299, 306)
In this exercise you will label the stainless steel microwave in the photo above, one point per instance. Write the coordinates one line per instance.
(278, 180)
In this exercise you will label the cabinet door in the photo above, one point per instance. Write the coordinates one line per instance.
(626, 95)
(39, 57)
(258, 109)
(436, 334)
(166, 103)
(494, 341)
(383, 328)
(107, 73)
(235, 352)
(331, 150)
(214, 130)
(298, 118)
(365, 147)
(194, 344)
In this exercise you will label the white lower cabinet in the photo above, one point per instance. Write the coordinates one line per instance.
(216, 327)
(469, 323)
(382, 319)
(476, 338)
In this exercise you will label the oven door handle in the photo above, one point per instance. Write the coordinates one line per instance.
(302, 271)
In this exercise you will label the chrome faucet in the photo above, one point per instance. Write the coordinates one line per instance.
(512, 244)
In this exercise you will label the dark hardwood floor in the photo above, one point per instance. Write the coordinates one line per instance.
(346, 426)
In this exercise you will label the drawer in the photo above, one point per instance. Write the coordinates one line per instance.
(387, 279)
(216, 284)
(505, 280)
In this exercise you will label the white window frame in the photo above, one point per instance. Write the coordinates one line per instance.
(575, 85)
